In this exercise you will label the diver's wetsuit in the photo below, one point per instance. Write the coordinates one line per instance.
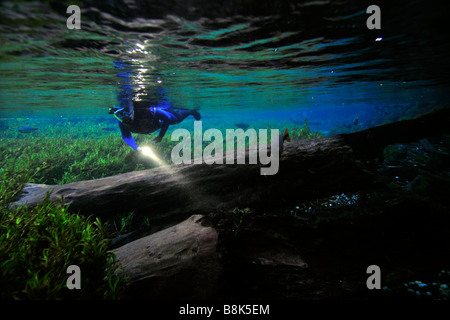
(144, 119)
(139, 116)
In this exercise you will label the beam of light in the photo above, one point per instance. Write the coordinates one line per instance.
(148, 152)
(174, 172)
(176, 176)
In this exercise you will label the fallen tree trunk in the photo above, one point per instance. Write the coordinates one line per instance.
(186, 261)
(308, 169)
(177, 262)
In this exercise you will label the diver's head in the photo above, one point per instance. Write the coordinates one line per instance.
(121, 114)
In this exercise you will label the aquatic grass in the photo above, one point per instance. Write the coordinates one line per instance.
(37, 244)
(123, 223)
(299, 132)
(56, 127)
(64, 160)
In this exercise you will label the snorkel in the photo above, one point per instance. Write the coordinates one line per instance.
(119, 113)
(119, 116)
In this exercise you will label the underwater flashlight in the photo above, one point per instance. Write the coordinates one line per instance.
(149, 153)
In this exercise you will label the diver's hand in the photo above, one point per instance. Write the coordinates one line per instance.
(157, 139)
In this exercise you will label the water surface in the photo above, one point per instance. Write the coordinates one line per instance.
(268, 63)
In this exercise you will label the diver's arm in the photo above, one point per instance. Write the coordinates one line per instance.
(127, 137)
(165, 119)
(162, 132)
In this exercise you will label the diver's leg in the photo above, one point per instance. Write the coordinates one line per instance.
(182, 114)
(166, 115)
(174, 116)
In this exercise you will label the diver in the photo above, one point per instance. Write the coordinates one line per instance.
(139, 117)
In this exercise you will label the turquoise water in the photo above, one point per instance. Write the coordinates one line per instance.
(269, 63)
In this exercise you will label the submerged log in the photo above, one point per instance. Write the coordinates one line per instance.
(308, 169)
(177, 262)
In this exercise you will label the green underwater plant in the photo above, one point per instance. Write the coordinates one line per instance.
(238, 218)
(299, 133)
(37, 244)
(125, 222)
(63, 160)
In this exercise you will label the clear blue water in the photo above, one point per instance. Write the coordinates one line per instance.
(267, 63)
(271, 64)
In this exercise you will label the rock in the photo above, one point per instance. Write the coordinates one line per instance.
(177, 262)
